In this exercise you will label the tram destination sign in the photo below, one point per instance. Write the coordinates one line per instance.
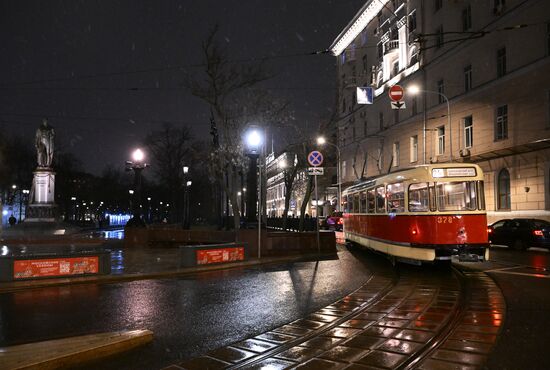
(454, 172)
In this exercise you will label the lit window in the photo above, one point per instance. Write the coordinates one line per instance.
(395, 162)
(501, 124)
(503, 201)
(441, 140)
(468, 132)
(414, 148)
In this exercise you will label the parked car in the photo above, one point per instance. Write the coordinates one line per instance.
(334, 222)
(520, 233)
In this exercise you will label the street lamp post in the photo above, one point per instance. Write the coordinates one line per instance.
(254, 144)
(321, 141)
(415, 90)
(137, 165)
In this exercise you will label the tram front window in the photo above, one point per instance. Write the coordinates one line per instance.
(457, 196)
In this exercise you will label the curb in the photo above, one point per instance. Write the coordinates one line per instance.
(109, 279)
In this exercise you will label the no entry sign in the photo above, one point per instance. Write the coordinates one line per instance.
(396, 93)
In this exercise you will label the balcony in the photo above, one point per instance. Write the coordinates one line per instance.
(391, 46)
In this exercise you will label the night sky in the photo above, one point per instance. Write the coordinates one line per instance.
(74, 62)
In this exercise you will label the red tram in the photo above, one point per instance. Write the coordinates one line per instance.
(425, 213)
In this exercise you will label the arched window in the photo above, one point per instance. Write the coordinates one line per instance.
(503, 190)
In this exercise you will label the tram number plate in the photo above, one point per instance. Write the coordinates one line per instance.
(445, 219)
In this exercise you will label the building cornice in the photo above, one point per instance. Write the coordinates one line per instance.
(367, 13)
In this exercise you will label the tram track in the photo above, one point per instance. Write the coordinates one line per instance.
(417, 319)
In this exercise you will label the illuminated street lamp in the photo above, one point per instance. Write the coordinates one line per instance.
(137, 165)
(254, 144)
(414, 90)
(322, 141)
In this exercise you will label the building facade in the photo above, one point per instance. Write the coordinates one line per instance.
(481, 70)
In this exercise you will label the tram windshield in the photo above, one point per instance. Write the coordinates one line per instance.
(456, 196)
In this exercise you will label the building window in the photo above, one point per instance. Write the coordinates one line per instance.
(441, 91)
(414, 148)
(365, 64)
(501, 62)
(501, 124)
(414, 104)
(395, 154)
(412, 21)
(499, 7)
(438, 4)
(380, 48)
(467, 78)
(503, 202)
(395, 69)
(467, 18)
(439, 39)
(468, 132)
(441, 140)
(381, 121)
(343, 58)
(380, 19)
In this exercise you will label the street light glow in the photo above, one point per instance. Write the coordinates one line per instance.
(189, 183)
(185, 169)
(321, 140)
(413, 89)
(254, 139)
(138, 155)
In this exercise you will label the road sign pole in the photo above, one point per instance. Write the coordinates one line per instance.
(317, 217)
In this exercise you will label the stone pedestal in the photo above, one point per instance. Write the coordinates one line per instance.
(42, 207)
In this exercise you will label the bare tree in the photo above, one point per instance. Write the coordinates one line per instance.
(225, 86)
(170, 149)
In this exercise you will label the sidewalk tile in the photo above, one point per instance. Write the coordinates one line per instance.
(340, 332)
(357, 324)
(400, 346)
(230, 354)
(363, 342)
(414, 335)
(308, 324)
(319, 364)
(271, 364)
(275, 337)
(291, 330)
(382, 359)
(475, 337)
(380, 331)
(321, 342)
(344, 354)
(255, 345)
(299, 354)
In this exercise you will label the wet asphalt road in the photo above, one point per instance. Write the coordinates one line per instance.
(525, 284)
(188, 316)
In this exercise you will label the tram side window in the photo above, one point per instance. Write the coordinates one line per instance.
(481, 197)
(363, 202)
(396, 198)
(346, 204)
(356, 203)
(457, 196)
(381, 199)
(419, 198)
(370, 200)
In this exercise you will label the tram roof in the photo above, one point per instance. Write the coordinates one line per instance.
(423, 171)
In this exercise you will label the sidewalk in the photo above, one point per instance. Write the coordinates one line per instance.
(138, 263)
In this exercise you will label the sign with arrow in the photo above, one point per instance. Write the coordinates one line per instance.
(398, 105)
(316, 171)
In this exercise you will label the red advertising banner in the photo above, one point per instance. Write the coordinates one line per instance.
(208, 256)
(23, 269)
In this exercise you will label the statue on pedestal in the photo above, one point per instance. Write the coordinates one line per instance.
(44, 144)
